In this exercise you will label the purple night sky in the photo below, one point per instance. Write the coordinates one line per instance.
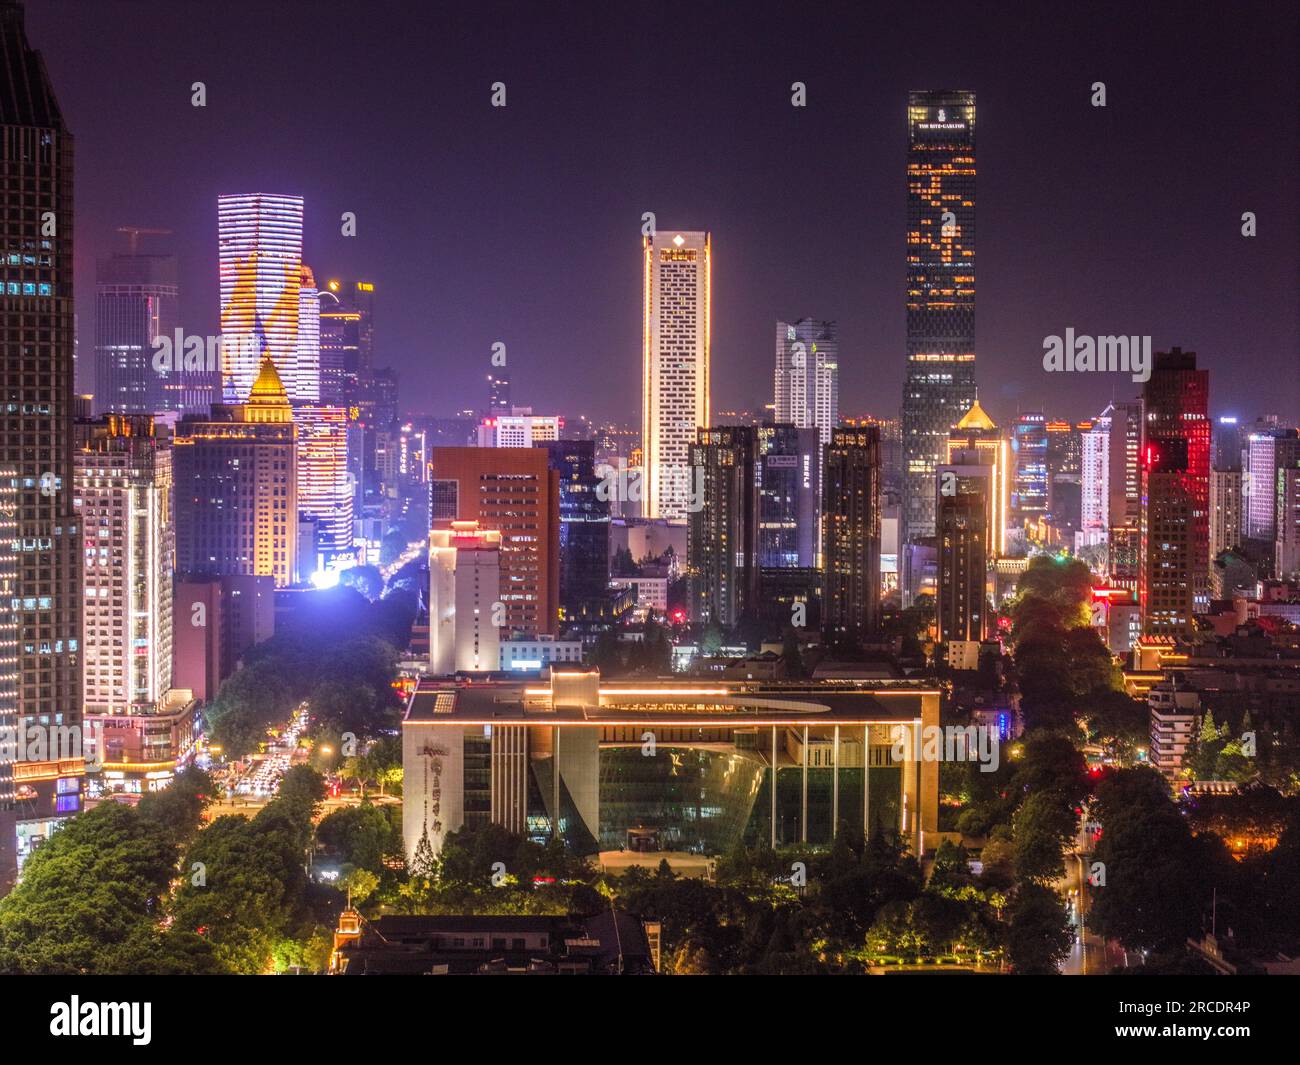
(522, 224)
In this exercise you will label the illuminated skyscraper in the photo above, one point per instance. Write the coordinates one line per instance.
(347, 333)
(940, 380)
(976, 441)
(675, 390)
(308, 361)
(808, 375)
(236, 487)
(1175, 555)
(1029, 481)
(259, 238)
(36, 371)
(324, 487)
(123, 487)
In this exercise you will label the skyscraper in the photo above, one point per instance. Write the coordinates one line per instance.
(1175, 562)
(962, 509)
(259, 237)
(1267, 451)
(136, 303)
(347, 333)
(976, 441)
(236, 487)
(584, 527)
(123, 486)
(308, 350)
(940, 379)
(675, 391)
(722, 530)
(851, 533)
(807, 375)
(1029, 482)
(324, 487)
(789, 505)
(36, 371)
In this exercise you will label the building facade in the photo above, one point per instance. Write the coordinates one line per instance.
(465, 609)
(1175, 552)
(808, 375)
(722, 533)
(36, 377)
(851, 533)
(136, 304)
(940, 379)
(513, 491)
(259, 242)
(676, 357)
(236, 487)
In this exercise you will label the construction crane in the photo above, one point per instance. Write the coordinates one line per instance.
(133, 232)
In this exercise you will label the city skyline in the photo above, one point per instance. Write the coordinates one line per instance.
(455, 266)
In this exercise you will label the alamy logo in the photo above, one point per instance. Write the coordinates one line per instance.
(1108, 354)
(173, 354)
(676, 483)
(948, 743)
(103, 1018)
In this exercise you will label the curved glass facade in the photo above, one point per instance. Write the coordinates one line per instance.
(681, 798)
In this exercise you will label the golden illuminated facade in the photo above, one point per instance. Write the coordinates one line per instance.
(676, 348)
(259, 239)
(236, 487)
(976, 440)
(940, 378)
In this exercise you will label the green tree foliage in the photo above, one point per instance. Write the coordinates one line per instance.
(1038, 933)
(90, 901)
(1158, 877)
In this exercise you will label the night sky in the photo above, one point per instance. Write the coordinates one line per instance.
(522, 224)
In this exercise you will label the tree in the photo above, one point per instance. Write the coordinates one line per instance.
(1038, 932)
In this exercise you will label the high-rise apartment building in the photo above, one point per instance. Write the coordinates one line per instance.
(677, 307)
(962, 509)
(1175, 545)
(722, 530)
(807, 375)
(259, 242)
(36, 377)
(137, 303)
(498, 393)
(123, 489)
(236, 487)
(513, 491)
(1225, 511)
(851, 533)
(940, 381)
